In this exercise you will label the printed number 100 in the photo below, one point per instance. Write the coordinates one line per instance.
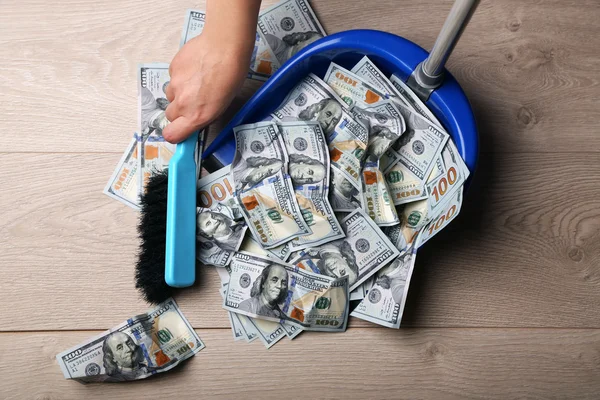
(442, 186)
(217, 192)
(440, 222)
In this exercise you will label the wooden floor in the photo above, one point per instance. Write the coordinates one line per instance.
(504, 304)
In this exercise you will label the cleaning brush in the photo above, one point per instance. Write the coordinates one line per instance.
(152, 230)
(167, 225)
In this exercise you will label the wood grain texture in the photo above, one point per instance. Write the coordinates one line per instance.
(529, 68)
(505, 303)
(524, 252)
(410, 363)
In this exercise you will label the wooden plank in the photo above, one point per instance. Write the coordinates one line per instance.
(527, 68)
(524, 253)
(410, 363)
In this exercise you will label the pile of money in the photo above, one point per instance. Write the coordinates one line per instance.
(327, 199)
(144, 345)
(360, 161)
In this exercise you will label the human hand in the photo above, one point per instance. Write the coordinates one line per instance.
(206, 74)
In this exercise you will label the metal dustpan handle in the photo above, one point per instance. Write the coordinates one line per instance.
(429, 74)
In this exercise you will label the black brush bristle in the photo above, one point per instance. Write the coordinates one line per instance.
(152, 230)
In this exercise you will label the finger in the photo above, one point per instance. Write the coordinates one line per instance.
(172, 111)
(179, 130)
(170, 92)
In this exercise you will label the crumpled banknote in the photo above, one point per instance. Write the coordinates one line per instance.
(144, 345)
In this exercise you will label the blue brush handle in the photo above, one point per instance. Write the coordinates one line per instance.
(180, 252)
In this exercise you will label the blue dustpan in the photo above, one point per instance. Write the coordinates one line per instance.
(393, 54)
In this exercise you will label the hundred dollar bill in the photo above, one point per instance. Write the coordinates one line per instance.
(144, 345)
(268, 332)
(413, 100)
(449, 211)
(368, 71)
(264, 190)
(216, 189)
(272, 212)
(352, 89)
(259, 154)
(272, 290)
(288, 27)
(262, 63)
(385, 124)
(385, 301)
(309, 169)
(450, 180)
(154, 151)
(123, 184)
(413, 218)
(405, 186)
(313, 100)
(218, 235)
(363, 251)
(420, 145)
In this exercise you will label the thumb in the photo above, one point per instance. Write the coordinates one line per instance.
(179, 130)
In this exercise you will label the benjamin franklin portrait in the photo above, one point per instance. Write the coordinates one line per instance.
(335, 259)
(254, 170)
(326, 112)
(394, 276)
(380, 139)
(268, 292)
(218, 228)
(123, 358)
(343, 195)
(305, 170)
